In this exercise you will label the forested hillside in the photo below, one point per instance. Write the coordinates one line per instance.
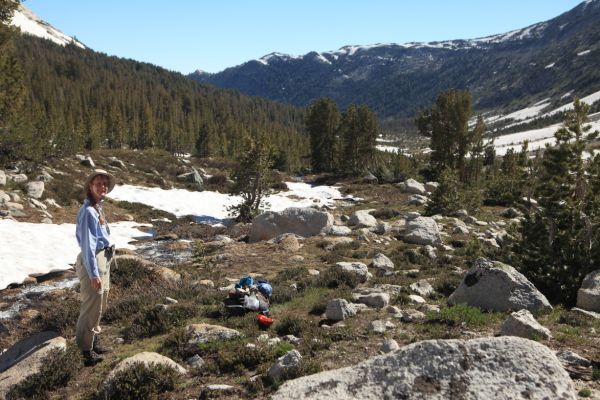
(78, 99)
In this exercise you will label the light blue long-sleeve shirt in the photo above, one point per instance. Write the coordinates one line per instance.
(91, 236)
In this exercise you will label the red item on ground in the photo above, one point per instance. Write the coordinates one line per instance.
(264, 320)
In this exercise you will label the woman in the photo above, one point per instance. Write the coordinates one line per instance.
(93, 264)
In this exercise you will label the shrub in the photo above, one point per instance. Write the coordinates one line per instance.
(446, 285)
(447, 197)
(596, 372)
(385, 213)
(57, 370)
(129, 273)
(292, 325)
(217, 180)
(290, 274)
(59, 317)
(159, 319)
(234, 357)
(141, 381)
(283, 296)
(175, 345)
(336, 277)
(584, 392)
(127, 307)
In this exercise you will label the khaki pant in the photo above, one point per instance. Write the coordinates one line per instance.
(93, 303)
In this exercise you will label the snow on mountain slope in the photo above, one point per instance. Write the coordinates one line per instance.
(31, 24)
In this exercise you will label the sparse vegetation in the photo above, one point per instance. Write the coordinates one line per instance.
(141, 381)
(56, 371)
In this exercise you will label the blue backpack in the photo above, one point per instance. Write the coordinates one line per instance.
(265, 288)
(245, 281)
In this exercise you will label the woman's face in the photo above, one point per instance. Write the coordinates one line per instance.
(99, 187)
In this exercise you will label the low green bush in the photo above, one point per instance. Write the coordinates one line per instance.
(585, 392)
(60, 316)
(293, 325)
(159, 319)
(336, 277)
(141, 382)
(130, 273)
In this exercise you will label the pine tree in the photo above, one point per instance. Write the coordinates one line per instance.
(359, 129)
(447, 124)
(322, 124)
(447, 197)
(13, 142)
(560, 241)
(252, 178)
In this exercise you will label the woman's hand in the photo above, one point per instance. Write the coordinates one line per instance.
(96, 283)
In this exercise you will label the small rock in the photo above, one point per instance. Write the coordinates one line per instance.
(389, 346)
(195, 361)
(523, 324)
(381, 261)
(416, 299)
(377, 327)
(290, 360)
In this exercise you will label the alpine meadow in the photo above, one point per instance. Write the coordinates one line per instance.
(412, 220)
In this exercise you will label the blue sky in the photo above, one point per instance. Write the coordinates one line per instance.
(185, 35)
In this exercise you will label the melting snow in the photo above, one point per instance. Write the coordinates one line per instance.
(36, 249)
(583, 53)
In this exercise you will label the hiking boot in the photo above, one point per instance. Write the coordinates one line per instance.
(99, 347)
(91, 358)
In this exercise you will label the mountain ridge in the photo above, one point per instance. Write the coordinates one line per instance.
(505, 70)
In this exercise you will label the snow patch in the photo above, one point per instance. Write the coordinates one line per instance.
(31, 24)
(37, 249)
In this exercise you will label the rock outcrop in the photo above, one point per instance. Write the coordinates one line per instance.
(487, 368)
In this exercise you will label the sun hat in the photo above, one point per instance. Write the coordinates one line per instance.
(95, 173)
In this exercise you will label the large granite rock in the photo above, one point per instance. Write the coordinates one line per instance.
(422, 230)
(499, 368)
(2, 178)
(492, 285)
(588, 296)
(25, 358)
(301, 221)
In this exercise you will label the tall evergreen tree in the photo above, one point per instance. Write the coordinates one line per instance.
(322, 124)
(447, 124)
(359, 129)
(561, 241)
(12, 141)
